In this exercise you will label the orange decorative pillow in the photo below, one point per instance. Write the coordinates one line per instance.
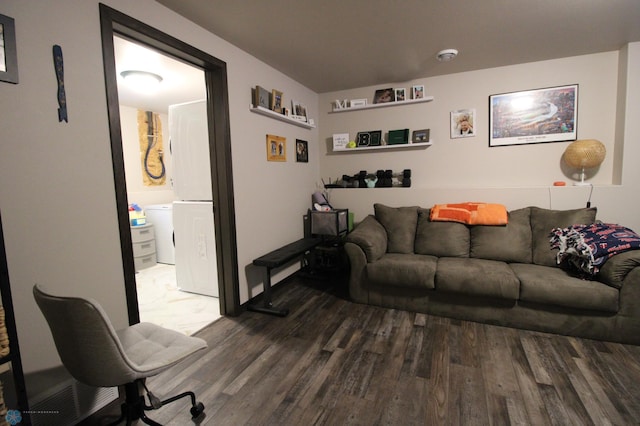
(470, 213)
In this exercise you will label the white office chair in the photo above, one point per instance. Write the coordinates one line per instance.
(98, 355)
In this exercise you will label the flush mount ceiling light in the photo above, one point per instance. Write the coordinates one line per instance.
(447, 55)
(142, 80)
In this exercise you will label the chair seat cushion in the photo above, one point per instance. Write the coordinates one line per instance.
(152, 348)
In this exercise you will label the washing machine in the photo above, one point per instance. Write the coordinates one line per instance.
(161, 216)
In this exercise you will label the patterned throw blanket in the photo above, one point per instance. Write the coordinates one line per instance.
(587, 247)
(470, 213)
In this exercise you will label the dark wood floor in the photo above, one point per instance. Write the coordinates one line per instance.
(333, 362)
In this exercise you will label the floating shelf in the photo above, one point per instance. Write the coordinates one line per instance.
(268, 113)
(383, 105)
(398, 146)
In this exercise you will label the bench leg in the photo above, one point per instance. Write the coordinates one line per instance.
(267, 306)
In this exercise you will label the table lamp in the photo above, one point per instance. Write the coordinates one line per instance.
(584, 154)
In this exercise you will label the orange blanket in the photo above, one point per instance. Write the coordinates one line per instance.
(470, 213)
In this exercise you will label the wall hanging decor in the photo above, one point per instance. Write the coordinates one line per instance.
(58, 64)
(533, 116)
(302, 151)
(8, 50)
(463, 123)
(276, 148)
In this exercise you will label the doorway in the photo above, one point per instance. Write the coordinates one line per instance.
(114, 23)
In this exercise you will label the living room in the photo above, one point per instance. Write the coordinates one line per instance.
(57, 192)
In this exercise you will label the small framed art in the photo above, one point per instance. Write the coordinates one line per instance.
(417, 92)
(384, 95)
(8, 50)
(276, 148)
(358, 103)
(462, 123)
(302, 151)
(261, 97)
(420, 136)
(401, 94)
(276, 100)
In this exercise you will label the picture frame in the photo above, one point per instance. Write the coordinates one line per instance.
(417, 91)
(276, 100)
(8, 50)
(401, 94)
(276, 148)
(463, 123)
(384, 95)
(262, 97)
(357, 103)
(421, 136)
(298, 111)
(533, 116)
(302, 151)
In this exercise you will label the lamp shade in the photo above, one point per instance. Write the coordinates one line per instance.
(585, 154)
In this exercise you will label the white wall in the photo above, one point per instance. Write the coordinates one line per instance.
(57, 193)
(467, 169)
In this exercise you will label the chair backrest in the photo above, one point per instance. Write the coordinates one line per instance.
(86, 341)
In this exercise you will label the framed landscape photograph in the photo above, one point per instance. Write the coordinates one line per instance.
(302, 151)
(420, 136)
(276, 148)
(8, 50)
(533, 116)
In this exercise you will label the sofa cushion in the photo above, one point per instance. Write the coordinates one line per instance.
(554, 286)
(448, 239)
(400, 223)
(477, 277)
(509, 243)
(371, 236)
(403, 270)
(544, 220)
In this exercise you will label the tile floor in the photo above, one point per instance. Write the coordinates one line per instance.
(161, 302)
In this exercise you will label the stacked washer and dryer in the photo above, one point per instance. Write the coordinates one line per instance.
(185, 231)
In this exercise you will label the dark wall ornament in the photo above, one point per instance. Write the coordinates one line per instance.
(8, 50)
(58, 64)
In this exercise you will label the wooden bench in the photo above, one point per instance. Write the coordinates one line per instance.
(274, 259)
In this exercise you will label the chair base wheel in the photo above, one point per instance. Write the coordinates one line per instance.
(197, 409)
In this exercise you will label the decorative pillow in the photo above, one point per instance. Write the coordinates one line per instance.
(585, 248)
(442, 239)
(544, 220)
(400, 223)
(509, 243)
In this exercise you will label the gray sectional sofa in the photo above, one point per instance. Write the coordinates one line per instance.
(503, 275)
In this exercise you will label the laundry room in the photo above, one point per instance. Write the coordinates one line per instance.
(165, 147)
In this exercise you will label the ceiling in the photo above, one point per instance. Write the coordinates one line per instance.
(333, 45)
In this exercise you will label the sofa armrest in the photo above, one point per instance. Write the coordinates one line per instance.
(616, 269)
(371, 237)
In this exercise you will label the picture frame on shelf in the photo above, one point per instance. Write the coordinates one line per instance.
(420, 136)
(340, 141)
(276, 100)
(276, 148)
(298, 111)
(534, 116)
(417, 91)
(8, 50)
(463, 123)
(382, 96)
(357, 103)
(401, 94)
(302, 151)
(370, 138)
(262, 97)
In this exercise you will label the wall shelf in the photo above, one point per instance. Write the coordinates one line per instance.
(268, 113)
(383, 105)
(421, 145)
